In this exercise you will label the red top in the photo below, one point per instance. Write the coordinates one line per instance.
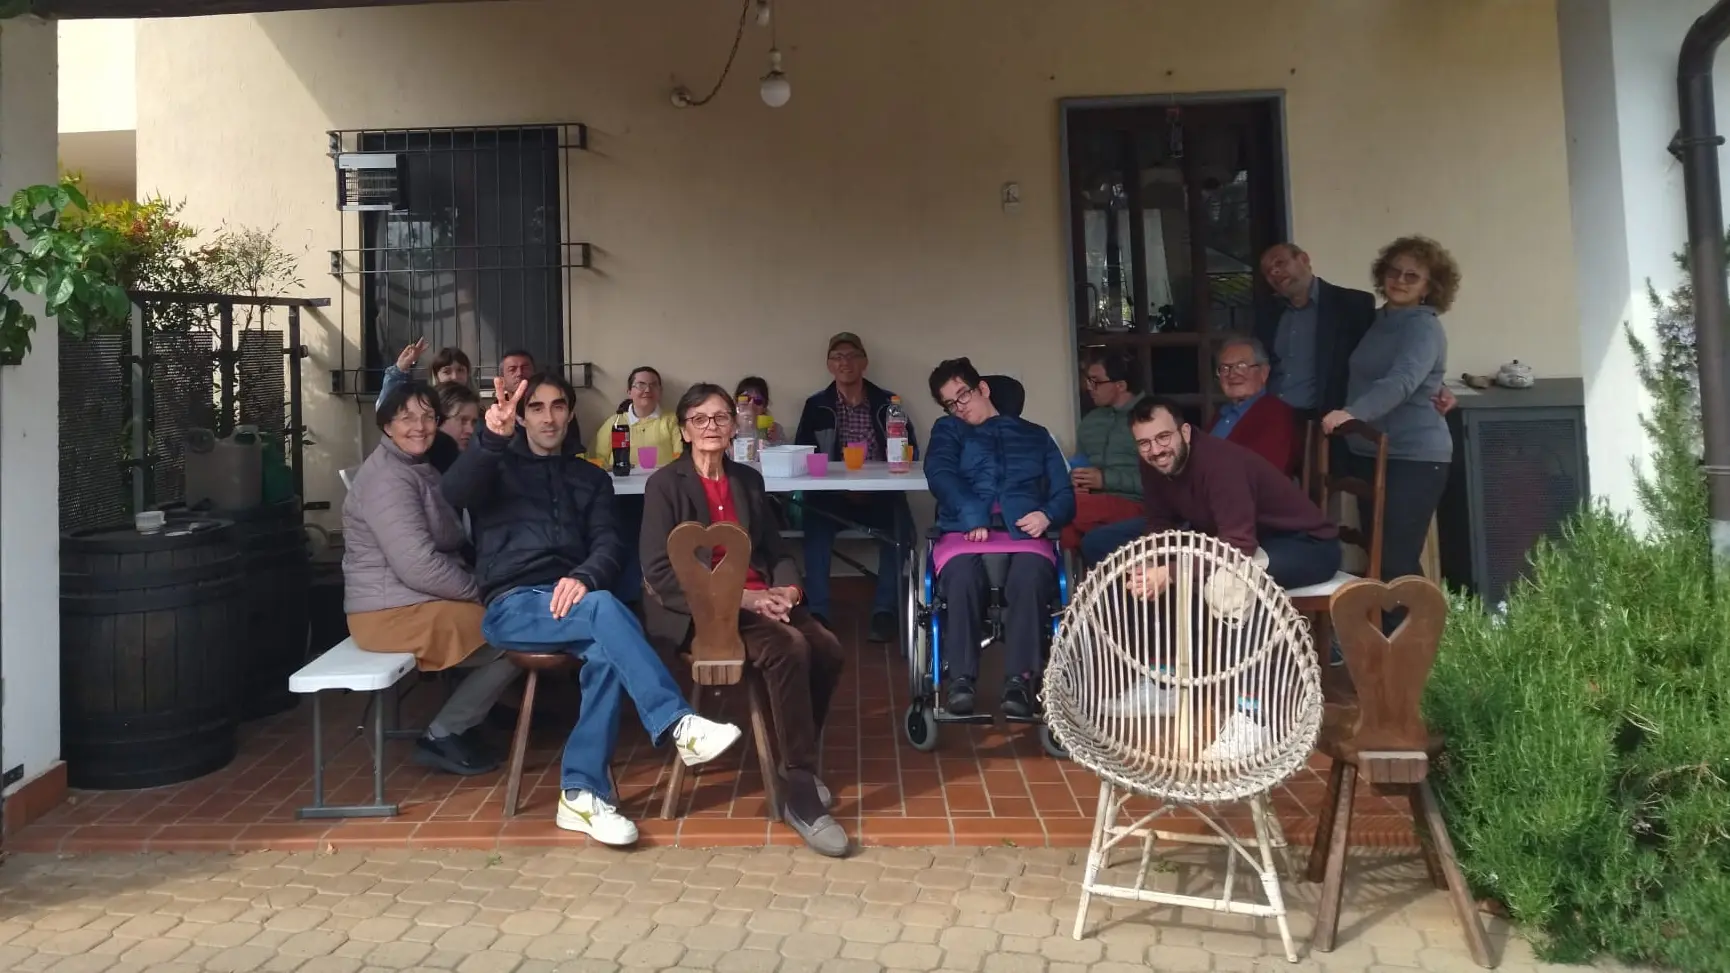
(1269, 427)
(719, 493)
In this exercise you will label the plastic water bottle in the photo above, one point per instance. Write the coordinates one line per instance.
(899, 445)
(746, 439)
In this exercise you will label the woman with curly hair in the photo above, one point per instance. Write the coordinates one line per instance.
(1394, 374)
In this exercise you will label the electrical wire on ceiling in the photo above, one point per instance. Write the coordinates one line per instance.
(683, 98)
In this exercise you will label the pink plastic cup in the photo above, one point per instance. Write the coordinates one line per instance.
(817, 464)
(646, 456)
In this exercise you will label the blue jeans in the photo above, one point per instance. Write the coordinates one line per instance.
(1296, 560)
(1099, 543)
(880, 511)
(617, 661)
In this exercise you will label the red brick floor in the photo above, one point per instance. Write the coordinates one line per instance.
(984, 785)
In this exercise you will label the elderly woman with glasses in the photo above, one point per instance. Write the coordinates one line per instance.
(1396, 373)
(799, 659)
(405, 585)
(1001, 483)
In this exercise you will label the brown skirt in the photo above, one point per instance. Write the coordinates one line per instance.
(440, 634)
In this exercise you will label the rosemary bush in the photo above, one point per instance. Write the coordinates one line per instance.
(1588, 726)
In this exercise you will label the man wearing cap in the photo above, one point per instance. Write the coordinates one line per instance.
(850, 410)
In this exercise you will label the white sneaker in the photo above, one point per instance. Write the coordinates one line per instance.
(1241, 738)
(588, 814)
(1147, 699)
(700, 741)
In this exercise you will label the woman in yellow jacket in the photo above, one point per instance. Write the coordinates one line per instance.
(649, 425)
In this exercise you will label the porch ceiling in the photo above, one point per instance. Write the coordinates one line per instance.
(105, 9)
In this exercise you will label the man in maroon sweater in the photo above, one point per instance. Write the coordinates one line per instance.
(1214, 486)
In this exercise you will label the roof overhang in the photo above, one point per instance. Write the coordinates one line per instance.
(109, 9)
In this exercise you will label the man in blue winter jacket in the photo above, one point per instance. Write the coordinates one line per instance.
(1001, 486)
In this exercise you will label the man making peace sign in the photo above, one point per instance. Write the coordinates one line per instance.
(547, 550)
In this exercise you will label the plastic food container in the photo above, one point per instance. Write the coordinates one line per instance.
(785, 461)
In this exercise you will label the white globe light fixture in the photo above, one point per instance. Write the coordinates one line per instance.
(775, 89)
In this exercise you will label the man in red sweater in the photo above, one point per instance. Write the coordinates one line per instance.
(1253, 418)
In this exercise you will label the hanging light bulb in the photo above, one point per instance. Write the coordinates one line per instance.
(775, 90)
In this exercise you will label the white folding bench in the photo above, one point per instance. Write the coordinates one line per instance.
(351, 668)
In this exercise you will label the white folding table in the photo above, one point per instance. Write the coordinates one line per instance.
(874, 478)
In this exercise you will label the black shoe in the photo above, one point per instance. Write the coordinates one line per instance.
(481, 746)
(882, 628)
(453, 755)
(1018, 696)
(960, 700)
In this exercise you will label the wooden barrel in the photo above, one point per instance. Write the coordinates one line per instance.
(150, 653)
(273, 553)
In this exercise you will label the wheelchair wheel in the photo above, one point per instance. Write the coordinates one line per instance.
(1049, 741)
(921, 726)
(916, 633)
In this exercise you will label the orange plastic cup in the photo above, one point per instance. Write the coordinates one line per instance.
(854, 456)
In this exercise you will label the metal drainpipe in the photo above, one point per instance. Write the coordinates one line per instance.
(1696, 145)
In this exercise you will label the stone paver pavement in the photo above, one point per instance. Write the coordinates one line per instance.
(591, 910)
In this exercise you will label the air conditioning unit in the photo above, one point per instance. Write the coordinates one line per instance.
(1519, 473)
(370, 182)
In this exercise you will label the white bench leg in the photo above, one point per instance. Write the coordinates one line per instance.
(378, 808)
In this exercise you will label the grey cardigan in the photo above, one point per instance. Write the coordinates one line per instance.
(1395, 370)
(401, 540)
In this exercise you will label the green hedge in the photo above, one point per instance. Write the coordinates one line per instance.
(1587, 783)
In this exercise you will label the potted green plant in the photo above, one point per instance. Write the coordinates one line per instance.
(70, 267)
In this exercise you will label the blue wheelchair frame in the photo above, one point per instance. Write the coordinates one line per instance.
(924, 609)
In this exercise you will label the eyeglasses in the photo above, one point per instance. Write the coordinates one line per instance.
(1403, 276)
(645, 386)
(1092, 383)
(755, 399)
(719, 420)
(1235, 368)
(1159, 440)
(846, 357)
(959, 402)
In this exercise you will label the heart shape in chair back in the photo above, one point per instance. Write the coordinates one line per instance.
(1390, 672)
(712, 593)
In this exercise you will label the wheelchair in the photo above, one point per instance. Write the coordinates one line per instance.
(923, 637)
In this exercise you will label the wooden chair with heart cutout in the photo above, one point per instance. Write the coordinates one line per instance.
(716, 652)
(1383, 741)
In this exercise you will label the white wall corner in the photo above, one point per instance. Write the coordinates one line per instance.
(1625, 191)
(29, 432)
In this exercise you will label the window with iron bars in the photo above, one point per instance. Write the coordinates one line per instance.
(470, 252)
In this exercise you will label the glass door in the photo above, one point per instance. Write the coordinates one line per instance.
(1169, 207)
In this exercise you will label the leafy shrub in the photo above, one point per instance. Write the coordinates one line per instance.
(1588, 725)
(151, 248)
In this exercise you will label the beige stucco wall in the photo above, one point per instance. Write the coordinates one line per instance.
(98, 108)
(735, 238)
(97, 83)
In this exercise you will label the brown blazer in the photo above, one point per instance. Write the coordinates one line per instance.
(674, 495)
